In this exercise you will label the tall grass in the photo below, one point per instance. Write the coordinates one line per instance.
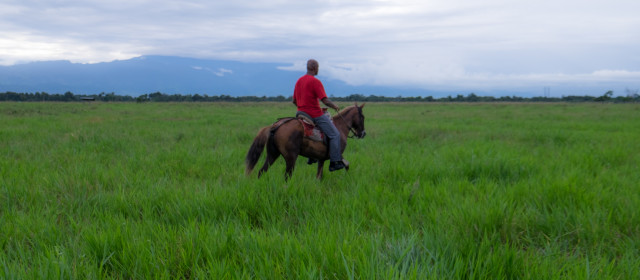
(436, 191)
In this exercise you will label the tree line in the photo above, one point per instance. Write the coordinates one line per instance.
(632, 96)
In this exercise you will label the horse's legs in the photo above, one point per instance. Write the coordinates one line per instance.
(290, 159)
(320, 167)
(271, 158)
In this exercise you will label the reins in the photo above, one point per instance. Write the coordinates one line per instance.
(349, 126)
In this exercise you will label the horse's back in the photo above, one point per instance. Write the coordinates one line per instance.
(287, 134)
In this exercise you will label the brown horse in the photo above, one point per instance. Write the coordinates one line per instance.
(286, 138)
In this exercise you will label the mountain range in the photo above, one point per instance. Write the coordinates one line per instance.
(172, 75)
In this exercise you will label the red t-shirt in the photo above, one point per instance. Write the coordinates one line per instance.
(307, 92)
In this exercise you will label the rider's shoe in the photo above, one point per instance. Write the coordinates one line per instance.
(336, 165)
(311, 161)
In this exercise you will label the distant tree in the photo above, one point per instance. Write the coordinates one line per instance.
(68, 96)
(142, 98)
(632, 95)
(472, 97)
(156, 96)
(607, 96)
(110, 97)
(197, 98)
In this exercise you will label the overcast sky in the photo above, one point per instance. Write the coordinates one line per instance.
(572, 45)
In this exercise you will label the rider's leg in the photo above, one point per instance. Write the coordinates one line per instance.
(331, 132)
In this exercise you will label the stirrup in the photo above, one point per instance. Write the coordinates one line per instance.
(336, 165)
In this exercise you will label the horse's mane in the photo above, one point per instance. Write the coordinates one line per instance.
(345, 110)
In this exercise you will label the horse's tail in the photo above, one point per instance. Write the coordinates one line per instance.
(256, 149)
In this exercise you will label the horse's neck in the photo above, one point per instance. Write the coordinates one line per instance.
(341, 122)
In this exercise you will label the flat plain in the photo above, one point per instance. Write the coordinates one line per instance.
(435, 191)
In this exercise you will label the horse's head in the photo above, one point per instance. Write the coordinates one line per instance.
(351, 119)
(357, 122)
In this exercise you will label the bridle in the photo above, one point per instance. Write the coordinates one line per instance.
(351, 130)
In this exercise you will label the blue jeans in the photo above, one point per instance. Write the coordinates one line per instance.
(331, 132)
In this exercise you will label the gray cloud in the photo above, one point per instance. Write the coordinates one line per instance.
(431, 44)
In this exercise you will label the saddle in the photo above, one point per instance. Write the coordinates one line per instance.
(310, 130)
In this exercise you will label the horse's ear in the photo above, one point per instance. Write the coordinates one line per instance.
(356, 103)
(361, 106)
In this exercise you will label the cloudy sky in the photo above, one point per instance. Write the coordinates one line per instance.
(570, 46)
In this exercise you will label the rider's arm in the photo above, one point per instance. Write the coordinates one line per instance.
(294, 102)
(328, 102)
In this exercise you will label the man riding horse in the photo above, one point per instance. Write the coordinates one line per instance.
(307, 92)
(288, 137)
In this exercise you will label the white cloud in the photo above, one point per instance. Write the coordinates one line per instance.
(438, 43)
(25, 47)
(617, 74)
(220, 72)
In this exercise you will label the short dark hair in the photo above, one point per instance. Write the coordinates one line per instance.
(312, 64)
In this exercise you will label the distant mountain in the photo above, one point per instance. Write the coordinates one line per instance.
(171, 75)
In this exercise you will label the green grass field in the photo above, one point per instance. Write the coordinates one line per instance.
(435, 191)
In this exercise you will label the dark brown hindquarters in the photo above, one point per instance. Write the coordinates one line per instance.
(287, 141)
